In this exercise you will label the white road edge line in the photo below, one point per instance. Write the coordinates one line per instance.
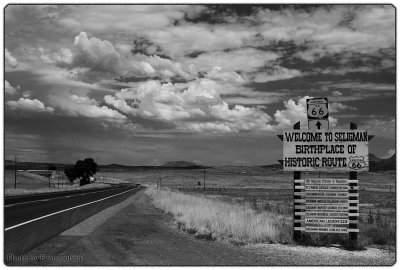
(60, 197)
(65, 210)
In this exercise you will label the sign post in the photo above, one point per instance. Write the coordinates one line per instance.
(325, 205)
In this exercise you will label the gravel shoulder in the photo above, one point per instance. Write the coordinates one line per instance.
(135, 233)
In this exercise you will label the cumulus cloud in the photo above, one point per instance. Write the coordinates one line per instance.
(276, 73)
(187, 38)
(330, 30)
(336, 107)
(95, 53)
(29, 105)
(91, 55)
(194, 106)
(10, 60)
(9, 89)
(74, 105)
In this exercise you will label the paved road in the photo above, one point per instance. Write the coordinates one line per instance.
(33, 208)
(33, 221)
(135, 233)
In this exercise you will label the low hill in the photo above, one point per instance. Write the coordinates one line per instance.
(9, 165)
(181, 164)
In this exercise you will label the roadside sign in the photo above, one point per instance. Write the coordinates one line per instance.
(327, 229)
(317, 108)
(329, 150)
(326, 201)
(327, 221)
(327, 214)
(320, 124)
(326, 181)
(327, 187)
(342, 194)
(325, 205)
(336, 207)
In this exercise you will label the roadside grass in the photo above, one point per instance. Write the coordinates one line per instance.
(212, 219)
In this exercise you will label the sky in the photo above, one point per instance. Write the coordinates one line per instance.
(210, 84)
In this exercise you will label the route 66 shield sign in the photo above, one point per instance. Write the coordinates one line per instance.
(317, 108)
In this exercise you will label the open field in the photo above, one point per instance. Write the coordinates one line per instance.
(257, 188)
(33, 183)
(265, 190)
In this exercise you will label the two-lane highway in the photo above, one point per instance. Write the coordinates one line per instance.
(35, 219)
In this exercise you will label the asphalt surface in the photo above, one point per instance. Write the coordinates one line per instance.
(19, 213)
(31, 222)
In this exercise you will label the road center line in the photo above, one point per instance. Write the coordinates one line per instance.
(60, 197)
(65, 210)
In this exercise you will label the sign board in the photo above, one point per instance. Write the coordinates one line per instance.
(340, 194)
(327, 214)
(317, 113)
(326, 181)
(338, 150)
(318, 124)
(326, 201)
(327, 229)
(327, 187)
(317, 108)
(327, 221)
(336, 207)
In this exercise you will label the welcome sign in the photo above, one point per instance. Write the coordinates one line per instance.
(325, 150)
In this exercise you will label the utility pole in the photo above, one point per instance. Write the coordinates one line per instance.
(204, 179)
(15, 172)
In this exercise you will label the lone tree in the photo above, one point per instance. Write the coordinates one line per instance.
(82, 170)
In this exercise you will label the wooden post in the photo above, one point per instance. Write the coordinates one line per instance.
(296, 219)
(353, 185)
(15, 171)
(204, 179)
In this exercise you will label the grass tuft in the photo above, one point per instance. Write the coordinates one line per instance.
(211, 219)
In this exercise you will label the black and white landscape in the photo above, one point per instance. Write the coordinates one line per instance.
(177, 107)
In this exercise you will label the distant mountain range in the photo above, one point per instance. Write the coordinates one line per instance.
(9, 165)
(375, 164)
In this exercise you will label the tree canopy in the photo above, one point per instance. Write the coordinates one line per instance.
(83, 169)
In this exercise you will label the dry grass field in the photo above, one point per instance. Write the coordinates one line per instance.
(267, 191)
(260, 190)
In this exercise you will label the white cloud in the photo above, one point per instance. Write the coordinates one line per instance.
(10, 60)
(245, 60)
(336, 93)
(194, 106)
(276, 73)
(29, 105)
(97, 54)
(9, 89)
(381, 127)
(325, 29)
(336, 107)
(186, 38)
(74, 105)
